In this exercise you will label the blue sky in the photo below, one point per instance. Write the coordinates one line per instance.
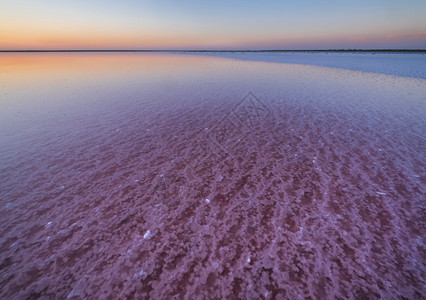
(189, 24)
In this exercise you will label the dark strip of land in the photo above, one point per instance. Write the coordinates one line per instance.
(230, 51)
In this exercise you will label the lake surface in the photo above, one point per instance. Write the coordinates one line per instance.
(180, 176)
(404, 64)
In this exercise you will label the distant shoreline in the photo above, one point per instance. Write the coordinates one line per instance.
(220, 51)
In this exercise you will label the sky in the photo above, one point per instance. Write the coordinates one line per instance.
(192, 24)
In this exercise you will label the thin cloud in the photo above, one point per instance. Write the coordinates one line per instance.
(358, 38)
(412, 34)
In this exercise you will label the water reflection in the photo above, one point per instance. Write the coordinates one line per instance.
(322, 167)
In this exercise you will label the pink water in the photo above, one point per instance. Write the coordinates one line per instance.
(175, 176)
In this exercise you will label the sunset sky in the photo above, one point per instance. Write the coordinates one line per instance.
(191, 24)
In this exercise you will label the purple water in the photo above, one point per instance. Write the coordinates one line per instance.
(175, 176)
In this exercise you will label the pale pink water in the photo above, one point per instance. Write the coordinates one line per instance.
(152, 176)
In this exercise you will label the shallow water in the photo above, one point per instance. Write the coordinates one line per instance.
(161, 175)
(404, 64)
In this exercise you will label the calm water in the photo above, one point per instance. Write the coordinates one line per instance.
(160, 175)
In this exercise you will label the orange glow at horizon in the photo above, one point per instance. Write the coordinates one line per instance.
(74, 40)
(18, 39)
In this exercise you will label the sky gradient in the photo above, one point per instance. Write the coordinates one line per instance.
(190, 24)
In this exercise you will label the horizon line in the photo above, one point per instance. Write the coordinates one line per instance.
(209, 50)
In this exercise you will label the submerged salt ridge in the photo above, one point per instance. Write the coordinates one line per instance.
(398, 64)
(322, 197)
